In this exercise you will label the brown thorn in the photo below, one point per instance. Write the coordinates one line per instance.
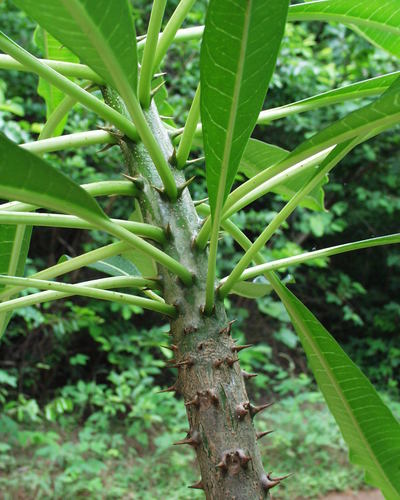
(267, 483)
(195, 401)
(218, 362)
(168, 389)
(260, 435)
(194, 440)
(231, 361)
(256, 409)
(172, 347)
(248, 375)
(244, 459)
(238, 348)
(213, 396)
(188, 362)
(197, 486)
(242, 409)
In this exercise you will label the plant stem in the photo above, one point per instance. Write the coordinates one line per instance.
(77, 140)
(70, 221)
(101, 188)
(188, 132)
(146, 70)
(236, 200)
(63, 108)
(174, 23)
(75, 263)
(333, 158)
(68, 87)
(86, 289)
(73, 70)
(252, 272)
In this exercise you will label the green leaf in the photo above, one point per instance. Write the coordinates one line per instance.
(368, 427)
(54, 50)
(377, 20)
(14, 247)
(27, 178)
(115, 266)
(260, 156)
(252, 290)
(101, 33)
(238, 55)
(359, 90)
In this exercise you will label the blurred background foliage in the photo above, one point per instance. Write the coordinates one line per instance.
(80, 413)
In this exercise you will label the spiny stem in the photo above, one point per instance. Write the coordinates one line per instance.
(68, 87)
(77, 140)
(174, 23)
(147, 68)
(188, 132)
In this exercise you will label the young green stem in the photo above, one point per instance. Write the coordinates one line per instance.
(86, 289)
(73, 70)
(252, 272)
(56, 117)
(174, 23)
(68, 87)
(333, 158)
(146, 70)
(77, 140)
(185, 143)
(70, 221)
(74, 263)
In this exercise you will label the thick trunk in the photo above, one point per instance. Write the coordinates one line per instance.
(210, 380)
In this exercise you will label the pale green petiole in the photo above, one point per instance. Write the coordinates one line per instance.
(56, 291)
(77, 140)
(189, 130)
(147, 68)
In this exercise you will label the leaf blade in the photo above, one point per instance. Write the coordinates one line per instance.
(374, 443)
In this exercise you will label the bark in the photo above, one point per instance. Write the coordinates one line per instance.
(210, 380)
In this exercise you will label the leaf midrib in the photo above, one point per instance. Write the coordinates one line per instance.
(332, 379)
(232, 117)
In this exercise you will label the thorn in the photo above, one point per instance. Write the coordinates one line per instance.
(140, 37)
(213, 396)
(260, 435)
(230, 361)
(136, 181)
(256, 409)
(159, 75)
(197, 486)
(199, 202)
(218, 362)
(156, 89)
(242, 409)
(188, 362)
(172, 158)
(164, 117)
(244, 459)
(185, 185)
(160, 191)
(194, 440)
(168, 232)
(105, 148)
(195, 401)
(230, 323)
(169, 389)
(195, 160)
(228, 327)
(269, 482)
(248, 375)
(238, 348)
(173, 134)
(172, 347)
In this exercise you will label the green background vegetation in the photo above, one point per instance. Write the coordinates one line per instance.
(80, 414)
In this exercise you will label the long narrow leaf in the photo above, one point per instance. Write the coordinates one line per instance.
(377, 20)
(52, 49)
(101, 33)
(369, 428)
